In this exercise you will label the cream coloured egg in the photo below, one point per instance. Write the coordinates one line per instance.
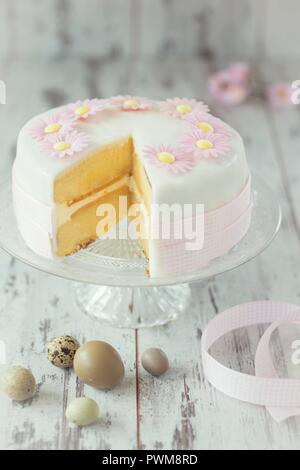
(19, 383)
(82, 411)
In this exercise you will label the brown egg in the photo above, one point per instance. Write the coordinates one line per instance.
(155, 361)
(98, 364)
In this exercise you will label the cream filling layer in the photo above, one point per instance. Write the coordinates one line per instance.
(64, 212)
(141, 207)
(134, 189)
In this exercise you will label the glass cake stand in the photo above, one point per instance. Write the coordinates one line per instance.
(111, 280)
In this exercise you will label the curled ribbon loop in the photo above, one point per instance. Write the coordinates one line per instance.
(281, 396)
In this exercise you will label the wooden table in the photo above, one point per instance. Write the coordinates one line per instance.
(180, 410)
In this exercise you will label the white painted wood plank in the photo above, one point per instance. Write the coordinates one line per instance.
(199, 29)
(29, 28)
(44, 28)
(284, 125)
(3, 30)
(226, 31)
(99, 28)
(282, 29)
(162, 28)
(237, 29)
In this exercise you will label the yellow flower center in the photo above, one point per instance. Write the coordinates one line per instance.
(204, 144)
(82, 110)
(52, 128)
(205, 127)
(131, 104)
(166, 157)
(184, 108)
(61, 146)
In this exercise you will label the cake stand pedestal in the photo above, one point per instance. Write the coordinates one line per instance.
(133, 307)
(111, 281)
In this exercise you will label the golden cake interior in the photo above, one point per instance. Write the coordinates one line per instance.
(101, 178)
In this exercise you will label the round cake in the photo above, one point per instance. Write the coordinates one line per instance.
(85, 168)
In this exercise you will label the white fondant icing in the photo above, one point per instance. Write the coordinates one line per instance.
(31, 208)
(36, 237)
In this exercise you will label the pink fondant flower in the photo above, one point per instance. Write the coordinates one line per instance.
(168, 158)
(206, 123)
(65, 145)
(179, 107)
(57, 122)
(280, 95)
(130, 103)
(84, 109)
(232, 85)
(203, 145)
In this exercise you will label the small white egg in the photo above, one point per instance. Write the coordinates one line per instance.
(82, 411)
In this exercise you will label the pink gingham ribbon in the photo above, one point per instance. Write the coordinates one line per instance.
(223, 229)
(281, 396)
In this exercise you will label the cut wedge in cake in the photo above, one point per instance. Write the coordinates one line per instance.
(82, 168)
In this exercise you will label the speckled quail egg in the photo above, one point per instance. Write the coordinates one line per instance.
(61, 351)
(82, 411)
(18, 383)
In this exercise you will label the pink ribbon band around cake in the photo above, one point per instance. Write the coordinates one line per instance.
(281, 396)
(223, 229)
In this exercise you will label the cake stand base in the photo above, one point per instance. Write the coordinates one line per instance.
(136, 307)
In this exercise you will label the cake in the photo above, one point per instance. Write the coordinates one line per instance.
(75, 161)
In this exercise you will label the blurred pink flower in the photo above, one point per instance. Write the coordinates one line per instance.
(232, 85)
(279, 95)
(57, 122)
(84, 109)
(239, 72)
(206, 123)
(180, 107)
(130, 103)
(169, 158)
(65, 145)
(203, 145)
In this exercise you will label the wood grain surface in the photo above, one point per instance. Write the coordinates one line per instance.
(154, 29)
(180, 410)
